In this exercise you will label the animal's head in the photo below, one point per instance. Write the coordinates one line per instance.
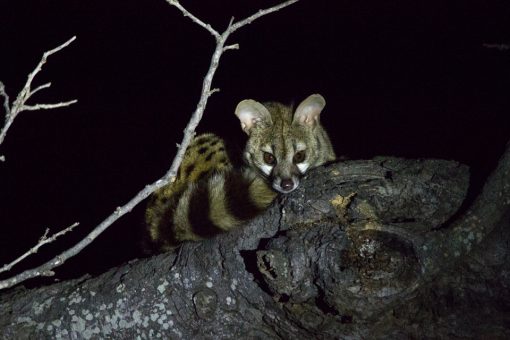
(284, 143)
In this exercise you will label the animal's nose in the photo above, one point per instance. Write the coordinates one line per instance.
(287, 184)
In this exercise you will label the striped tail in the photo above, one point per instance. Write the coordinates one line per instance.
(216, 204)
(208, 197)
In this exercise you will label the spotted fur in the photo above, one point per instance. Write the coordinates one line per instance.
(210, 196)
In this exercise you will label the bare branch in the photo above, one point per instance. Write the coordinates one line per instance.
(8, 115)
(6, 99)
(189, 132)
(259, 14)
(214, 90)
(47, 106)
(7, 110)
(196, 20)
(24, 95)
(38, 88)
(499, 47)
(231, 47)
(42, 241)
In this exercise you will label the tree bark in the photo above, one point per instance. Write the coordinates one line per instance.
(362, 249)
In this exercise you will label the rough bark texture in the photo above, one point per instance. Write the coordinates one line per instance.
(363, 249)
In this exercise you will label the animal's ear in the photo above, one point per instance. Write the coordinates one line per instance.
(308, 112)
(252, 114)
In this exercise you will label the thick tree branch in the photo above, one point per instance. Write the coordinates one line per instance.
(333, 259)
(171, 173)
(486, 212)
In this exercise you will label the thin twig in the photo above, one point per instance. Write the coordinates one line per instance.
(7, 109)
(499, 47)
(260, 13)
(41, 87)
(24, 95)
(196, 20)
(42, 241)
(47, 106)
(169, 177)
(231, 47)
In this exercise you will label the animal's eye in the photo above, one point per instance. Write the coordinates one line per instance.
(299, 156)
(269, 158)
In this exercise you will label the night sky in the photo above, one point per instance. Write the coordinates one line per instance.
(401, 78)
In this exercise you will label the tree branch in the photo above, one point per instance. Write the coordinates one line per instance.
(6, 99)
(260, 13)
(471, 228)
(42, 241)
(24, 95)
(47, 106)
(335, 264)
(499, 47)
(196, 20)
(169, 177)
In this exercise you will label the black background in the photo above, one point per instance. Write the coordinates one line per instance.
(402, 78)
